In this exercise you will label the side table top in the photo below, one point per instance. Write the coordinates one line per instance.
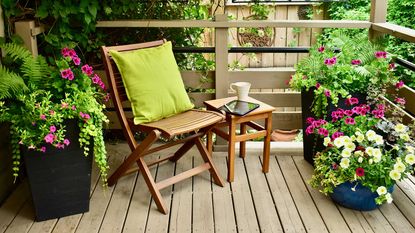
(217, 103)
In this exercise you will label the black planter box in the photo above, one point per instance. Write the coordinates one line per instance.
(59, 179)
(311, 143)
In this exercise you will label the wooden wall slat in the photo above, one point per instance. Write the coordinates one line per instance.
(271, 78)
(409, 95)
(276, 99)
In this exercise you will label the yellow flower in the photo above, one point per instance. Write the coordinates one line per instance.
(377, 152)
(346, 153)
(395, 175)
(410, 159)
(338, 142)
(381, 190)
(379, 140)
(410, 149)
(400, 128)
(327, 140)
(345, 162)
(377, 158)
(399, 166)
(347, 140)
(360, 138)
(405, 137)
(360, 159)
(389, 198)
(350, 146)
(370, 134)
(358, 153)
(369, 150)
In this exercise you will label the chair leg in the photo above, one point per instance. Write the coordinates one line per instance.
(155, 192)
(182, 150)
(134, 156)
(209, 142)
(206, 157)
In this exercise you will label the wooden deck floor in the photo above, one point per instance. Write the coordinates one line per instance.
(280, 201)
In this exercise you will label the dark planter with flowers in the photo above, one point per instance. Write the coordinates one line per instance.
(59, 179)
(311, 143)
(355, 196)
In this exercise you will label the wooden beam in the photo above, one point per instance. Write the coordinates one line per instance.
(24, 30)
(395, 30)
(378, 11)
(236, 23)
(2, 33)
(221, 57)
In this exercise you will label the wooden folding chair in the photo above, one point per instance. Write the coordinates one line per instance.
(194, 123)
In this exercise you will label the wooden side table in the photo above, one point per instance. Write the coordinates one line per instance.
(264, 112)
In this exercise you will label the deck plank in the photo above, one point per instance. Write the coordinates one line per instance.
(287, 210)
(202, 200)
(181, 209)
(267, 215)
(246, 218)
(24, 219)
(328, 210)
(158, 222)
(396, 218)
(377, 221)
(405, 205)
(305, 205)
(13, 204)
(222, 200)
(408, 188)
(355, 220)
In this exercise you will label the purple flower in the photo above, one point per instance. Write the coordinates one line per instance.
(76, 61)
(324, 132)
(349, 121)
(380, 54)
(356, 62)
(327, 93)
(86, 69)
(66, 142)
(49, 138)
(320, 49)
(43, 149)
(399, 84)
(336, 135)
(52, 129)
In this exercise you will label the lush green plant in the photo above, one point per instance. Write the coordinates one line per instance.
(50, 96)
(343, 66)
(362, 147)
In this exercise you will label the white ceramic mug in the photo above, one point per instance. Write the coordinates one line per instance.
(241, 89)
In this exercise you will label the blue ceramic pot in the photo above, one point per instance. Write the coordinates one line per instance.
(362, 199)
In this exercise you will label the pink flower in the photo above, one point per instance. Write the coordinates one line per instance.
(330, 61)
(73, 107)
(352, 101)
(400, 101)
(309, 130)
(380, 54)
(356, 62)
(336, 135)
(49, 138)
(60, 146)
(66, 142)
(360, 172)
(309, 120)
(96, 79)
(349, 121)
(87, 116)
(334, 166)
(399, 84)
(324, 132)
(51, 112)
(43, 149)
(327, 93)
(52, 129)
(64, 105)
(107, 97)
(72, 53)
(81, 114)
(86, 69)
(318, 85)
(378, 113)
(348, 112)
(66, 73)
(43, 116)
(65, 52)
(76, 61)
(320, 49)
(391, 66)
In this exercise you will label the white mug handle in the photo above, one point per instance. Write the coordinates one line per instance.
(231, 86)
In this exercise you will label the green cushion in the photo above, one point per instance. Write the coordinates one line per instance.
(153, 83)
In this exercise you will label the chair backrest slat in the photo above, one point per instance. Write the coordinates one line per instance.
(116, 84)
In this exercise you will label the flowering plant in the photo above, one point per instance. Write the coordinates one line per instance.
(38, 112)
(343, 66)
(362, 147)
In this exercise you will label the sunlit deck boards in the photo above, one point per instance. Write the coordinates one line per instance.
(280, 201)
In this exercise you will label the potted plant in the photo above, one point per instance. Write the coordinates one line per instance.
(364, 155)
(341, 67)
(56, 119)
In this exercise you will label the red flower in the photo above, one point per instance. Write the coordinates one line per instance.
(360, 171)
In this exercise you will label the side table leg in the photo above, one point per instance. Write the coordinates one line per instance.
(231, 151)
(209, 142)
(242, 144)
(267, 141)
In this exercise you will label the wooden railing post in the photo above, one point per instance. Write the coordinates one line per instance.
(27, 30)
(221, 59)
(378, 12)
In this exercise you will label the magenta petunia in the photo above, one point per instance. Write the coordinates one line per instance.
(60, 146)
(348, 112)
(309, 130)
(380, 54)
(318, 85)
(391, 66)
(66, 142)
(327, 93)
(52, 129)
(324, 132)
(310, 120)
(86, 69)
(96, 79)
(352, 101)
(360, 171)
(72, 53)
(49, 138)
(356, 62)
(336, 135)
(76, 61)
(65, 52)
(349, 121)
(321, 49)
(400, 101)
(399, 84)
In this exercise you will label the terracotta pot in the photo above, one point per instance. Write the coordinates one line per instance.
(284, 135)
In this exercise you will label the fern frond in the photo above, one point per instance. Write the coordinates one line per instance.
(362, 71)
(11, 84)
